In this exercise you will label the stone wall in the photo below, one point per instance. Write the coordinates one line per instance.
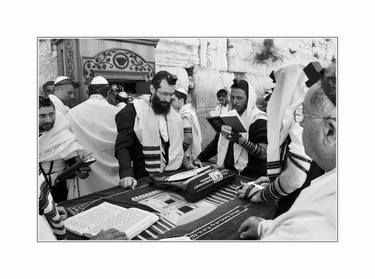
(48, 69)
(217, 61)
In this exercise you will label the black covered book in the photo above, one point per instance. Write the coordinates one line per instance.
(230, 118)
(71, 171)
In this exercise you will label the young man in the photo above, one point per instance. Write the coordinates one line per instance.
(313, 215)
(63, 94)
(150, 133)
(58, 149)
(93, 123)
(222, 97)
(192, 131)
(245, 152)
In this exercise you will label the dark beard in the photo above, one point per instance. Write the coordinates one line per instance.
(44, 128)
(160, 107)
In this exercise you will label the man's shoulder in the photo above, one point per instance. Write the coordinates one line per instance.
(127, 111)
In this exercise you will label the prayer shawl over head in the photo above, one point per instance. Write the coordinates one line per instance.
(59, 143)
(248, 117)
(286, 97)
(93, 123)
(148, 130)
(188, 113)
(59, 105)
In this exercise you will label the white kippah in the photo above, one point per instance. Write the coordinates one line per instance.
(59, 79)
(181, 90)
(99, 80)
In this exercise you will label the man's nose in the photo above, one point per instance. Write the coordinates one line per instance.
(48, 119)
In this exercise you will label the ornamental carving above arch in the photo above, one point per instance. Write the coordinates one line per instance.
(117, 60)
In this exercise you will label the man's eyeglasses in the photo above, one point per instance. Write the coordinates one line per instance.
(299, 116)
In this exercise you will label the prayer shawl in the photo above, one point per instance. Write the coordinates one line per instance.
(93, 123)
(196, 146)
(313, 215)
(286, 97)
(248, 117)
(59, 105)
(50, 226)
(59, 143)
(148, 132)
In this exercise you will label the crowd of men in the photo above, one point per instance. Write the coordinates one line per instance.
(290, 150)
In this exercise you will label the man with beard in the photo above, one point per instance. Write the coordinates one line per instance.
(150, 133)
(58, 149)
(244, 152)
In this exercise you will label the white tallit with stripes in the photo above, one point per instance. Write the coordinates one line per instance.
(196, 146)
(148, 129)
(248, 117)
(287, 96)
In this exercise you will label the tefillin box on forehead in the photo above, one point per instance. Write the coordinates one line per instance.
(313, 72)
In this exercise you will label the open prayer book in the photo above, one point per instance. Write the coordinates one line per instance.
(131, 221)
(230, 118)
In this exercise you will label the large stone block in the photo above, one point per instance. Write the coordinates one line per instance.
(47, 60)
(181, 53)
(207, 83)
(217, 54)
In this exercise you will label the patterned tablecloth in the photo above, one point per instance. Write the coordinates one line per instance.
(216, 217)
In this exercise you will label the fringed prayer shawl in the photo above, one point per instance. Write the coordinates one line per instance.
(248, 117)
(284, 133)
(147, 130)
(196, 146)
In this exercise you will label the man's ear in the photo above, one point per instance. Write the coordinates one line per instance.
(330, 132)
(152, 89)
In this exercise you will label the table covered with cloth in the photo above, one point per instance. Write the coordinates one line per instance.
(220, 223)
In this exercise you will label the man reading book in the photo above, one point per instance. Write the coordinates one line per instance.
(241, 152)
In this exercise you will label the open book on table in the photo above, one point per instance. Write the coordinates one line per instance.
(131, 221)
(230, 118)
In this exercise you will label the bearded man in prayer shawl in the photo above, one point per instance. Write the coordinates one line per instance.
(289, 169)
(244, 152)
(150, 133)
(313, 216)
(58, 149)
(192, 131)
(93, 123)
(63, 94)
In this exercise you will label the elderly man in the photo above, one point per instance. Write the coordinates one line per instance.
(313, 215)
(63, 94)
(150, 133)
(93, 123)
(245, 152)
(192, 131)
(58, 148)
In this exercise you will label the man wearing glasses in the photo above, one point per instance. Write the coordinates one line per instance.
(150, 133)
(313, 214)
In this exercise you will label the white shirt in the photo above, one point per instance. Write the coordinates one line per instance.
(221, 109)
(59, 105)
(313, 215)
